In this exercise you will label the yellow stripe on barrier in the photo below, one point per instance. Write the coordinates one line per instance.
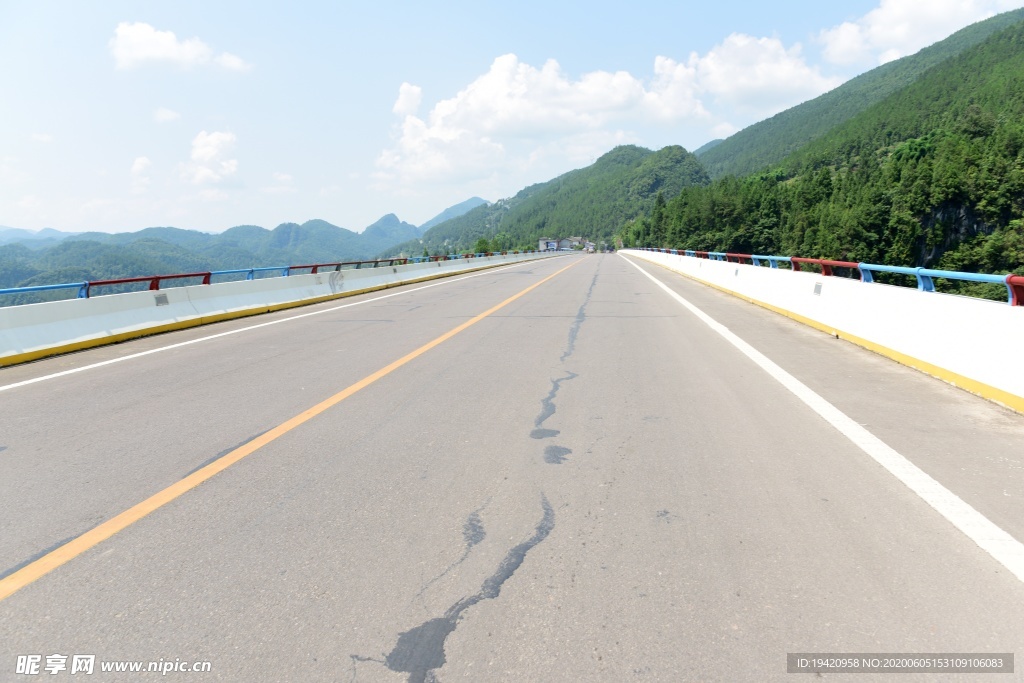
(38, 354)
(986, 391)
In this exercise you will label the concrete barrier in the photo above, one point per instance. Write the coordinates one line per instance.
(972, 343)
(35, 331)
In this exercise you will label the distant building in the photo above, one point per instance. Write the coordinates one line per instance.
(549, 244)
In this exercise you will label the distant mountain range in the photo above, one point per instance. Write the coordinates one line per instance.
(453, 212)
(592, 202)
(916, 162)
(50, 256)
(919, 162)
(38, 238)
(770, 141)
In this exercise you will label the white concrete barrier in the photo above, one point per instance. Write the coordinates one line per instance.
(972, 343)
(35, 331)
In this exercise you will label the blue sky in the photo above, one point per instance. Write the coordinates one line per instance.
(122, 115)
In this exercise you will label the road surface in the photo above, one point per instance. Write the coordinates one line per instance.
(552, 471)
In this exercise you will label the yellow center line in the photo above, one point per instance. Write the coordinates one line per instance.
(72, 549)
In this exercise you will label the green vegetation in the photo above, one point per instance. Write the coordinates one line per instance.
(453, 212)
(770, 141)
(101, 256)
(931, 176)
(53, 257)
(592, 202)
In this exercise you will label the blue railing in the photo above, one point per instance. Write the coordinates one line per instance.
(925, 276)
(84, 288)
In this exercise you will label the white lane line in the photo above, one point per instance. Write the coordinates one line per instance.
(1006, 550)
(72, 371)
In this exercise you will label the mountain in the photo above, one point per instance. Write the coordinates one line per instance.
(162, 250)
(453, 212)
(707, 146)
(34, 239)
(591, 202)
(932, 175)
(388, 231)
(770, 141)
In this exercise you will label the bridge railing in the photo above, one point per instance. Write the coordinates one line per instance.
(85, 289)
(925, 277)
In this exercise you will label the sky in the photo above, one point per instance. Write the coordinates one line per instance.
(126, 114)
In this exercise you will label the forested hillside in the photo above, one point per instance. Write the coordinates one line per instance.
(931, 176)
(591, 202)
(97, 256)
(767, 143)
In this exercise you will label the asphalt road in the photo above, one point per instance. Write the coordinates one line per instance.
(586, 484)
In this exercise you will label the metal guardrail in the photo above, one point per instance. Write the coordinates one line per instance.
(85, 288)
(925, 276)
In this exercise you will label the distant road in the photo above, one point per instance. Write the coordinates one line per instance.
(553, 471)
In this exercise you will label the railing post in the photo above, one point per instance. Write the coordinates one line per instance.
(1015, 285)
(924, 282)
(83, 291)
(865, 273)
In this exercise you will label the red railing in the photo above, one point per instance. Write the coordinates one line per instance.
(153, 280)
(1015, 283)
(825, 264)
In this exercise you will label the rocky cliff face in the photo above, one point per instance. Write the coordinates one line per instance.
(946, 227)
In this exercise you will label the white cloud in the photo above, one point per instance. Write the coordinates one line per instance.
(897, 28)
(408, 101)
(516, 116)
(45, 138)
(140, 180)
(723, 130)
(140, 165)
(136, 43)
(515, 111)
(232, 62)
(759, 74)
(209, 163)
(282, 177)
(164, 115)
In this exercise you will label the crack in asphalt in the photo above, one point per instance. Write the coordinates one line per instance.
(555, 455)
(420, 651)
(548, 408)
(473, 533)
(581, 316)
